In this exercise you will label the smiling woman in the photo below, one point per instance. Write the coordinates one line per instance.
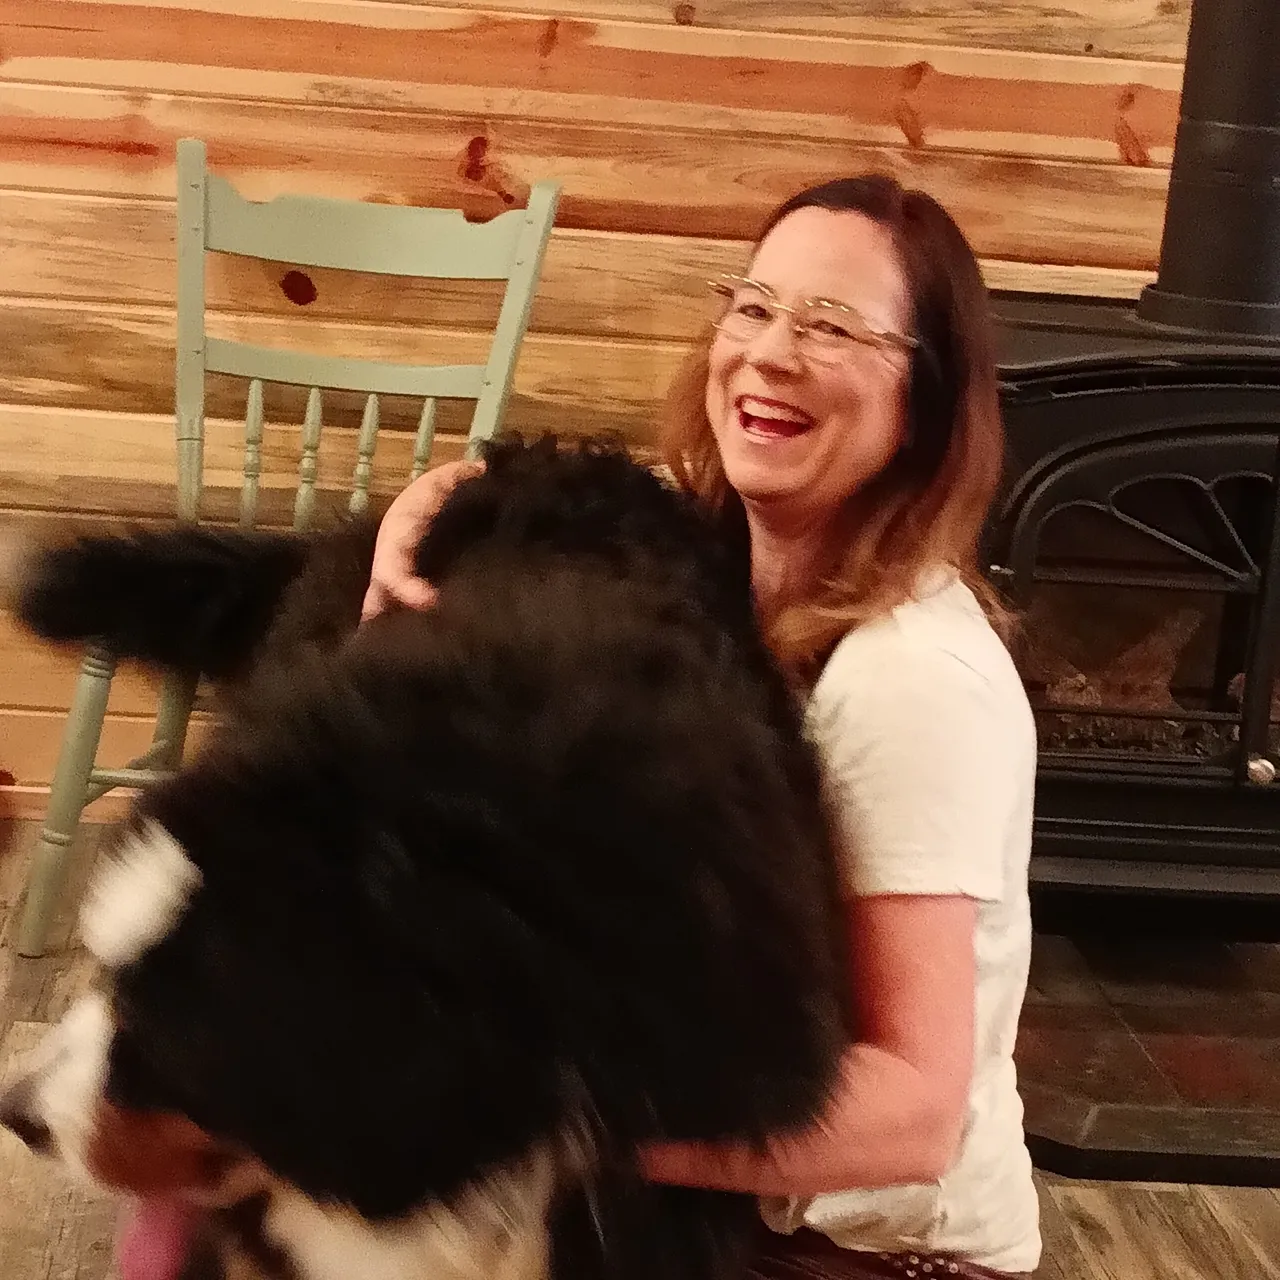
(841, 420)
(882, 388)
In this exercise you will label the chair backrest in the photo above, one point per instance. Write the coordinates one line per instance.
(353, 236)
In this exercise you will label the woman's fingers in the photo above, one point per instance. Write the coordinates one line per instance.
(393, 578)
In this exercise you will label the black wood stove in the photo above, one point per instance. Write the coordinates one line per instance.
(1142, 509)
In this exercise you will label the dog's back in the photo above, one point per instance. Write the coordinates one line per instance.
(214, 601)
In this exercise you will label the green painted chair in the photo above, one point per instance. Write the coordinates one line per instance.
(306, 231)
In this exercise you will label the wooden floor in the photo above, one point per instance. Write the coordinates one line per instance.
(51, 1229)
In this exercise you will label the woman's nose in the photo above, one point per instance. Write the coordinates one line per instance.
(777, 346)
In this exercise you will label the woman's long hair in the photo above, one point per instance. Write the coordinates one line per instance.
(926, 509)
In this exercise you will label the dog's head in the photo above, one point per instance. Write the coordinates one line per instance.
(68, 1103)
(255, 1021)
(274, 1054)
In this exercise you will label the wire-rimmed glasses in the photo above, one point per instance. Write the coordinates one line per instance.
(825, 331)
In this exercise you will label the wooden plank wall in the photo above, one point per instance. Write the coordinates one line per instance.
(1045, 125)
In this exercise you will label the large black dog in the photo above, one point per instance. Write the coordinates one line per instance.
(457, 909)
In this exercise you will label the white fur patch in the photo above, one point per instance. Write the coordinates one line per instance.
(137, 896)
(498, 1231)
(67, 1073)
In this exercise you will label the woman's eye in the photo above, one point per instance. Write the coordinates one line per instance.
(752, 310)
(829, 329)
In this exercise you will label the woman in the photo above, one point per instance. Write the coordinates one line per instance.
(842, 420)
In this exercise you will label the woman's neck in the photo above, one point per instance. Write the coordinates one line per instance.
(784, 555)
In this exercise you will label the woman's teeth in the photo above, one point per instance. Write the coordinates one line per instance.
(771, 421)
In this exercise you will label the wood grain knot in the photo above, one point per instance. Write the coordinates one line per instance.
(135, 150)
(299, 288)
(904, 113)
(548, 37)
(1133, 150)
(479, 167)
(685, 15)
(913, 73)
(474, 158)
(908, 121)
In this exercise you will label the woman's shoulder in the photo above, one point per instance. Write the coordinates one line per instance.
(925, 729)
(938, 634)
(935, 660)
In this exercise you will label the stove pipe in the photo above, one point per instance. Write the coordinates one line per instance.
(1220, 255)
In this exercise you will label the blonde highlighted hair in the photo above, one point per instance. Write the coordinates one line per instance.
(927, 508)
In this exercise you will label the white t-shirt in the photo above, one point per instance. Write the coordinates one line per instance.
(931, 746)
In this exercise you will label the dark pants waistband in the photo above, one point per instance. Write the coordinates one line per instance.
(809, 1255)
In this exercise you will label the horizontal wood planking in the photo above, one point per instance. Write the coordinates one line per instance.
(1056, 159)
(1050, 277)
(94, 463)
(120, 467)
(643, 180)
(35, 691)
(41, 677)
(1122, 28)
(121, 358)
(33, 802)
(504, 67)
(593, 284)
(30, 741)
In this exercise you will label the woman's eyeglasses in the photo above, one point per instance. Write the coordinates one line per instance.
(825, 331)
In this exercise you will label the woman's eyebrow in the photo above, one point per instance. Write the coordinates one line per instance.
(809, 297)
(759, 284)
(819, 298)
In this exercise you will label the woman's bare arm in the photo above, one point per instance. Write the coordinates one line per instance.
(898, 1113)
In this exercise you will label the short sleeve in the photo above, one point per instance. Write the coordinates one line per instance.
(928, 763)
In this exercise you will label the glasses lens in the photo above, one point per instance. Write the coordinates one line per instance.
(826, 332)
(832, 332)
(833, 328)
(744, 311)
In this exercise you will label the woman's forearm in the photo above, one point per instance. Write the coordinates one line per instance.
(885, 1126)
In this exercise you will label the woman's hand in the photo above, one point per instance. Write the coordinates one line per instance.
(407, 519)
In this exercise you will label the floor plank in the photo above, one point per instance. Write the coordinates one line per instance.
(1250, 1217)
(1064, 1257)
(51, 1227)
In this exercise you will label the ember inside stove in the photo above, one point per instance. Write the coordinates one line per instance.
(1139, 530)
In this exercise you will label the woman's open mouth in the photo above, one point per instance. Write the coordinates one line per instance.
(769, 420)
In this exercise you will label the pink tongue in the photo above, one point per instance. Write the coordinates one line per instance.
(155, 1239)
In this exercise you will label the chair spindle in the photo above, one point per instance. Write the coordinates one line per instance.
(424, 441)
(305, 502)
(364, 457)
(252, 455)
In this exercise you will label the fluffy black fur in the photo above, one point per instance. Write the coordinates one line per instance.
(552, 854)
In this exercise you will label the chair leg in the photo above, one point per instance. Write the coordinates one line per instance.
(67, 798)
(173, 715)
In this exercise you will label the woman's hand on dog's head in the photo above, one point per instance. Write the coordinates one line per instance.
(393, 579)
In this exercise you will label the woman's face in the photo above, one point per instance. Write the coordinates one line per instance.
(800, 433)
